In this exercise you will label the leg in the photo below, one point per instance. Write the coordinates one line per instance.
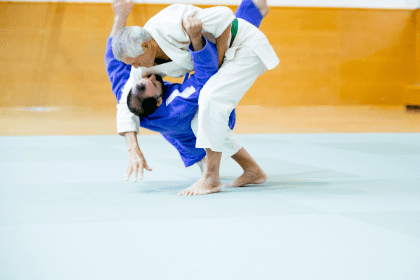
(222, 93)
(262, 6)
(202, 164)
(253, 11)
(253, 174)
(231, 143)
(217, 99)
(209, 181)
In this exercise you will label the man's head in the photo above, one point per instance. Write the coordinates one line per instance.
(134, 46)
(146, 96)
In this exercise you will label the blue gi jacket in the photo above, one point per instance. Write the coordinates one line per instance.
(180, 101)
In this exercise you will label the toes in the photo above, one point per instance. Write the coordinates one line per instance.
(184, 192)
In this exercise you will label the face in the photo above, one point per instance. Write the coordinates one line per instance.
(147, 59)
(153, 88)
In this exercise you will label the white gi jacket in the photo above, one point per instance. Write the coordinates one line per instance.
(166, 29)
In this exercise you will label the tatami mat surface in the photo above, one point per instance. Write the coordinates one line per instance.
(335, 206)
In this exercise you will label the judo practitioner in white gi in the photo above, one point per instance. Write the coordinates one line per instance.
(162, 47)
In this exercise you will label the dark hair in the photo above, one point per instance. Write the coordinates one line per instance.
(140, 106)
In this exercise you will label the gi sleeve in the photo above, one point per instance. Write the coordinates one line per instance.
(205, 64)
(118, 72)
(127, 121)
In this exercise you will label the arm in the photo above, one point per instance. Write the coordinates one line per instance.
(217, 22)
(122, 9)
(222, 44)
(204, 54)
(136, 160)
(205, 65)
(118, 72)
(128, 126)
(193, 27)
(120, 78)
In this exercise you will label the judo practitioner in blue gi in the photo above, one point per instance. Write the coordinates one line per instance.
(169, 108)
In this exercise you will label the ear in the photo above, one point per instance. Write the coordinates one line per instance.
(146, 45)
(159, 101)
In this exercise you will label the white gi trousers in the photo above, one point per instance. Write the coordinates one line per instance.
(220, 95)
(231, 143)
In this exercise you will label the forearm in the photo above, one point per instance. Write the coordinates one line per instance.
(136, 161)
(221, 44)
(119, 23)
(131, 140)
(198, 43)
(122, 9)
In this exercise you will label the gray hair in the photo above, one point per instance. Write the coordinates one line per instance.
(127, 42)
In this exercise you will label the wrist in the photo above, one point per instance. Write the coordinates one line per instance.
(196, 37)
(134, 150)
(119, 23)
(120, 20)
(198, 44)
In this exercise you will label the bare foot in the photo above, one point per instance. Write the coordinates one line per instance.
(262, 6)
(205, 185)
(248, 177)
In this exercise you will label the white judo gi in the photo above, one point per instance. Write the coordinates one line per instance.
(249, 56)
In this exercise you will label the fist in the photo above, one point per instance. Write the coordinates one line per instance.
(192, 26)
(122, 7)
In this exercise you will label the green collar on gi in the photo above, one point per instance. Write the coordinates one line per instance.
(234, 31)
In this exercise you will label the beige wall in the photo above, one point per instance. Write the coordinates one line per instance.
(52, 54)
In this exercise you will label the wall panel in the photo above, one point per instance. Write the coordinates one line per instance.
(376, 4)
(52, 54)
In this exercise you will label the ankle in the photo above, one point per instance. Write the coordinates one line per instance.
(208, 175)
(254, 172)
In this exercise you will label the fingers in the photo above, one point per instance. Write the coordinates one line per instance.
(136, 171)
(140, 170)
(191, 21)
(197, 22)
(192, 25)
(128, 173)
(187, 20)
(141, 173)
(147, 167)
(136, 167)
